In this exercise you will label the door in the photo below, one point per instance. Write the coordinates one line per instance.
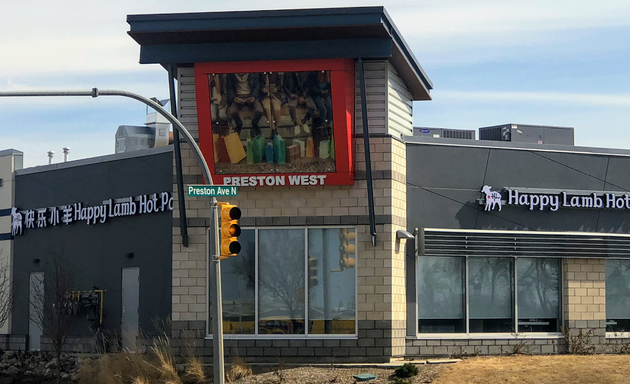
(36, 301)
(130, 306)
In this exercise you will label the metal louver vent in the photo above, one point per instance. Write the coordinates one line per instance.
(441, 242)
(458, 134)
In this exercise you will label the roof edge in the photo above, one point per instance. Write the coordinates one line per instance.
(255, 13)
(95, 160)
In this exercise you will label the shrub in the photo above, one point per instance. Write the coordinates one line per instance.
(406, 370)
(579, 344)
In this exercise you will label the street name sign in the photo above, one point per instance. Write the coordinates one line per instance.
(211, 190)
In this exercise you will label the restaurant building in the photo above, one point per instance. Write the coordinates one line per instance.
(361, 242)
(328, 267)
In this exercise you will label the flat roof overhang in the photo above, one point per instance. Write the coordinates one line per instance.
(357, 32)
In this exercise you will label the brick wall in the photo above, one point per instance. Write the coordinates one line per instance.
(584, 298)
(463, 347)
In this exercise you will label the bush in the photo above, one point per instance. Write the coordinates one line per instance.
(407, 370)
(580, 343)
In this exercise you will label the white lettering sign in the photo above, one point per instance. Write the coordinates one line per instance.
(91, 215)
(553, 202)
(278, 180)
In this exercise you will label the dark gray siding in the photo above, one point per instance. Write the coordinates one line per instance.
(97, 253)
(444, 183)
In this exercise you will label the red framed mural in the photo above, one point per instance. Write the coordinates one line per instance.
(271, 123)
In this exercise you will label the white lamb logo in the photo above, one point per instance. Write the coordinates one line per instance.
(492, 198)
(16, 222)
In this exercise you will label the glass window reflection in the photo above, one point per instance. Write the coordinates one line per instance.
(331, 292)
(538, 294)
(238, 280)
(491, 294)
(618, 295)
(441, 295)
(281, 264)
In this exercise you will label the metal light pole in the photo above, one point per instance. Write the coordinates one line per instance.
(215, 266)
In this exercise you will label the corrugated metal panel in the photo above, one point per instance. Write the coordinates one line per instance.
(187, 106)
(376, 92)
(441, 242)
(400, 105)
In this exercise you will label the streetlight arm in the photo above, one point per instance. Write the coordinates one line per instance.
(212, 251)
(95, 92)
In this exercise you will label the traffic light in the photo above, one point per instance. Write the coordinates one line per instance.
(347, 241)
(312, 272)
(229, 230)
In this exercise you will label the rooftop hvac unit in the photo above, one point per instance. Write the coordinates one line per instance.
(522, 133)
(155, 132)
(159, 124)
(445, 133)
(134, 138)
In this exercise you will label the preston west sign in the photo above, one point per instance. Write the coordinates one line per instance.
(97, 214)
(551, 200)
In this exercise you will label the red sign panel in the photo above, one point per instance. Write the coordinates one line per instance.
(277, 123)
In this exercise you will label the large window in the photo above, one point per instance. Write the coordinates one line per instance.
(618, 295)
(291, 281)
(267, 123)
(272, 122)
(488, 295)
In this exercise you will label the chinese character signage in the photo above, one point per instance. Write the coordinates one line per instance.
(273, 123)
(90, 215)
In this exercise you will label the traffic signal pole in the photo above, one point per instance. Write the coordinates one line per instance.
(218, 365)
(212, 251)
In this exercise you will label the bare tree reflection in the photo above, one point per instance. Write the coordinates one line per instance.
(538, 286)
(491, 294)
(281, 281)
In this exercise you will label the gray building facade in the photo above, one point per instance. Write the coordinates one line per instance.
(74, 217)
(518, 243)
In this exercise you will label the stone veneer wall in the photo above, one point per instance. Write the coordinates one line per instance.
(584, 299)
(380, 285)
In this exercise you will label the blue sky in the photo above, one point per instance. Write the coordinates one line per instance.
(558, 62)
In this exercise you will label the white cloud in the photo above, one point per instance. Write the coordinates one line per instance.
(427, 20)
(84, 37)
(69, 44)
(581, 99)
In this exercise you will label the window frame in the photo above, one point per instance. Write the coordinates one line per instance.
(613, 334)
(304, 335)
(498, 335)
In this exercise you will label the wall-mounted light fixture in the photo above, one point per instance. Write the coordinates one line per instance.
(129, 255)
(35, 261)
(402, 234)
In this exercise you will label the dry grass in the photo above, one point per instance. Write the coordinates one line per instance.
(194, 371)
(538, 369)
(133, 368)
(161, 348)
(117, 368)
(238, 370)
